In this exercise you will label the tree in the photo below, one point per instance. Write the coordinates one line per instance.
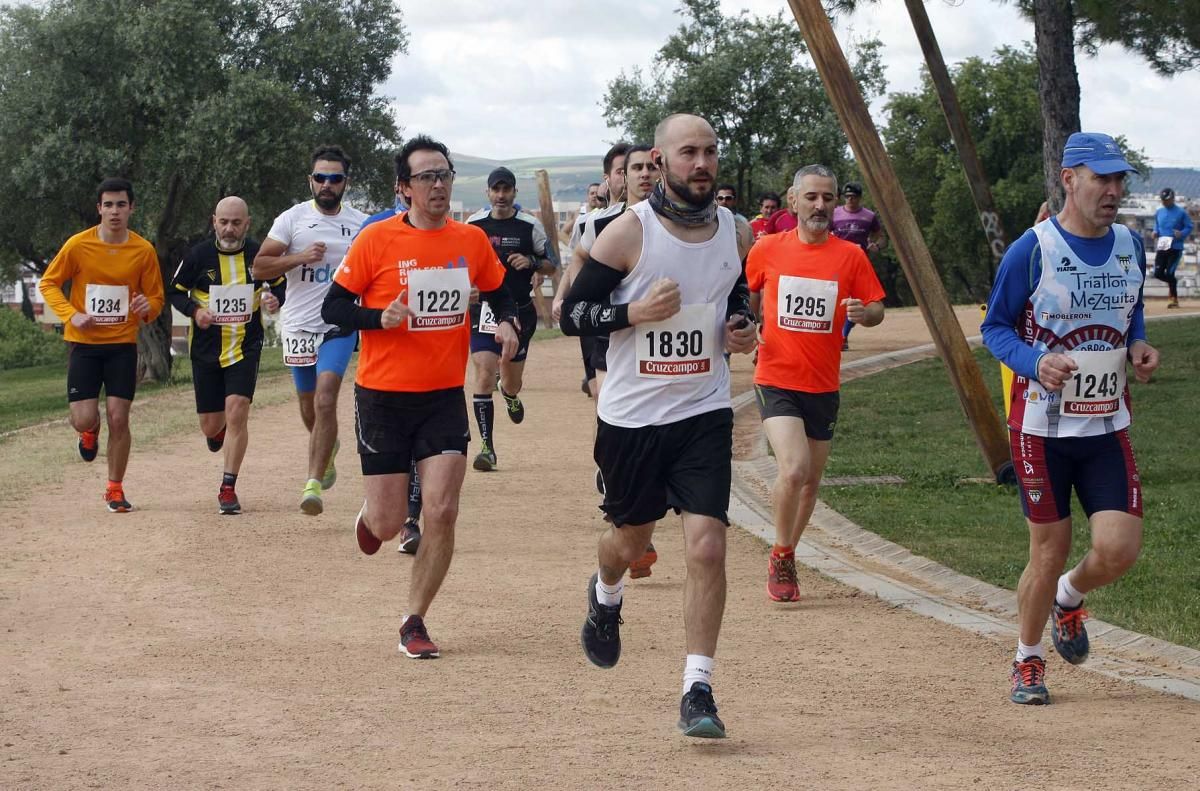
(750, 77)
(191, 100)
(1166, 34)
(999, 99)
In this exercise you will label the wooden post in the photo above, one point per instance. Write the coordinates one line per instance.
(549, 218)
(980, 188)
(905, 234)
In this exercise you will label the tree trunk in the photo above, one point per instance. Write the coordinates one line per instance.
(1054, 32)
(154, 339)
(26, 302)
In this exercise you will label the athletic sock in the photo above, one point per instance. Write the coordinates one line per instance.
(507, 395)
(414, 494)
(1067, 596)
(782, 551)
(485, 416)
(609, 595)
(316, 481)
(697, 667)
(229, 479)
(114, 485)
(1026, 651)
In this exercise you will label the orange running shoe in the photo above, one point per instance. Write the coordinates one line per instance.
(115, 498)
(781, 578)
(89, 444)
(641, 567)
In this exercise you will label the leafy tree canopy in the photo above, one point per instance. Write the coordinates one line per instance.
(751, 78)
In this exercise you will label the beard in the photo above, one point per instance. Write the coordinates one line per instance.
(816, 223)
(326, 199)
(685, 192)
(230, 244)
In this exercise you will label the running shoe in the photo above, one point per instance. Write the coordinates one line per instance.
(599, 481)
(845, 346)
(1069, 633)
(601, 635)
(217, 442)
(330, 477)
(414, 639)
(641, 567)
(89, 444)
(367, 542)
(1029, 682)
(698, 713)
(114, 496)
(516, 410)
(1173, 303)
(485, 461)
(310, 499)
(410, 537)
(227, 501)
(781, 578)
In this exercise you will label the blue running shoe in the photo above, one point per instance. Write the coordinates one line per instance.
(698, 713)
(601, 634)
(1029, 682)
(1069, 633)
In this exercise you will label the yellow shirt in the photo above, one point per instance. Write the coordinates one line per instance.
(86, 260)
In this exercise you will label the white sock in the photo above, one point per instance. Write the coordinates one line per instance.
(609, 595)
(1067, 596)
(697, 668)
(1026, 651)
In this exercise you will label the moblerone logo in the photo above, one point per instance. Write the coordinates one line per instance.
(676, 367)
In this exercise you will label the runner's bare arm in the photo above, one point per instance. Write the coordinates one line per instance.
(745, 238)
(340, 309)
(272, 260)
(588, 309)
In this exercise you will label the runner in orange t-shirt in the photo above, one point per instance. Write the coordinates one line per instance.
(806, 283)
(115, 286)
(413, 275)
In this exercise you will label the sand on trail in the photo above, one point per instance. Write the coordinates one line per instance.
(175, 648)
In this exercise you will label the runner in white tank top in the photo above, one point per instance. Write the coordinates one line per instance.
(664, 281)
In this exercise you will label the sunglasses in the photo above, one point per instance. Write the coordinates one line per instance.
(329, 178)
(724, 198)
(431, 177)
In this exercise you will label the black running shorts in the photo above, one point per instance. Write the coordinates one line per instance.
(91, 366)
(819, 411)
(486, 342)
(213, 383)
(396, 429)
(685, 466)
(586, 344)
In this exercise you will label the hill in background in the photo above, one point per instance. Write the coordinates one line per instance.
(569, 177)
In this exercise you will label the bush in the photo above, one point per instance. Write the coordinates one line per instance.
(24, 343)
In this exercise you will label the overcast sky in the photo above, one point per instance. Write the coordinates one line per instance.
(509, 79)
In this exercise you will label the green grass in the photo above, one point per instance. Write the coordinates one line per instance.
(29, 396)
(908, 422)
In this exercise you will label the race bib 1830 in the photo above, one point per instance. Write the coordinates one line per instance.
(107, 304)
(806, 304)
(437, 298)
(231, 304)
(678, 347)
(1095, 389)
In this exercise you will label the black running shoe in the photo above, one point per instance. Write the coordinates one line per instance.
(601, 636)
(217, 442)
(698, 713)
(516, 410)
(599, 481)
(89, 444)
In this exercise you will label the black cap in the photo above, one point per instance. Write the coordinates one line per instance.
(1167, 193)
(852, 189)
(501, 176)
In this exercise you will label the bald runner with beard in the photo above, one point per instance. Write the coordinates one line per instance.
(664, 281)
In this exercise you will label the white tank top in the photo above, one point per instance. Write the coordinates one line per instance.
(1083, 311)
(668, 371)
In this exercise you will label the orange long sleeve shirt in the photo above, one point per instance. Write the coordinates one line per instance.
(87, 260)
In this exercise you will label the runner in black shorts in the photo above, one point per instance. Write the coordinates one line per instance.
(409, 400)
(115, 287)
(214, 287)
(520, 243)
(668, 270)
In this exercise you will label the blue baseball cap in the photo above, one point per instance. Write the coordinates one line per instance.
(1099, 152)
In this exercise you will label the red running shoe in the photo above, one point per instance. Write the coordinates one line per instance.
(414, 639)
(89, 444)
(115, 498)
(228, 501)
(367, 542)
(781, 578)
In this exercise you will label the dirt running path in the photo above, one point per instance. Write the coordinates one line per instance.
(173, 648)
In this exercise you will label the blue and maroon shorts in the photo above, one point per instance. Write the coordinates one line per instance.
(1101, 469)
